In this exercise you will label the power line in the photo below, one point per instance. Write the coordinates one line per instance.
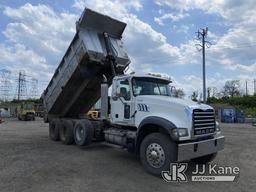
(19, 85)
(179, 60)
(33, 88)
(234, 47)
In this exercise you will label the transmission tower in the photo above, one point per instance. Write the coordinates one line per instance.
(5, 84)
(33, 88)
(21, 87)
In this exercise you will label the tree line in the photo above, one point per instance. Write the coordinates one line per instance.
(231, 94)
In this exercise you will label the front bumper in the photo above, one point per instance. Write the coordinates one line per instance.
(187, 151)
(30, 116)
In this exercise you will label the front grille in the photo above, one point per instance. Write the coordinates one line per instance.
(203, 122)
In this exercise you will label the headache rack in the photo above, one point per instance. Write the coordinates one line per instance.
(203, 122)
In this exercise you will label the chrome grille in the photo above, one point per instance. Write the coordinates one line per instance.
(203, 122)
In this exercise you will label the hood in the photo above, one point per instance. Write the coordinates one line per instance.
(172, 100)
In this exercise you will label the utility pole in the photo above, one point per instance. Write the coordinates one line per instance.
(246, 90)
(254, 87)
(201, 36)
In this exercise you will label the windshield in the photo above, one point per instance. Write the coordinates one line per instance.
(28, 106)
(150, 86)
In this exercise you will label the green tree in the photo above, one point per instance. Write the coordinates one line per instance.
(231, 89)
(194, 96)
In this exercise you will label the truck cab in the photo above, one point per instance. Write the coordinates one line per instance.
(136, 97)
(145, 103)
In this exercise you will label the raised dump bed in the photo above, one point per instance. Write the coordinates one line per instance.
(75, 85)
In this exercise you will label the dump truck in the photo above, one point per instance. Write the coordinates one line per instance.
(140, 115)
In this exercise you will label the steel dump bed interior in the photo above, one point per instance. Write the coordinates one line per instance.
(75, 85)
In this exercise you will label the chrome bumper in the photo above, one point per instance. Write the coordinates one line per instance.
(187, 151)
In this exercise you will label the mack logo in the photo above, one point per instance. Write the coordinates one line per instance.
(176, 173)
(143, 107)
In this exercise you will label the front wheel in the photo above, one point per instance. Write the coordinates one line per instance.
(157, 151)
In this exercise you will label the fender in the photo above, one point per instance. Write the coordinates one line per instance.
(165, 125)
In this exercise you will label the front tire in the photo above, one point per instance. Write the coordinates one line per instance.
(204, 159)
(157, 151)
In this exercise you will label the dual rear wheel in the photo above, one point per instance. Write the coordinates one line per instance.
(66, 132)
(70, 131)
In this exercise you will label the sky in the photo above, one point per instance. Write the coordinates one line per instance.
(160, 37)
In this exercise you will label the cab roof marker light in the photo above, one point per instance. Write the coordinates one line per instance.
(164, 76)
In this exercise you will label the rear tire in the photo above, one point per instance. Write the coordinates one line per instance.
(157, 151)
(83, 132)
(66, 132)
(204, 159)
(54, 127)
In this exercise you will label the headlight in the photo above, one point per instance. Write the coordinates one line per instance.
(217, 126)
(180, 132)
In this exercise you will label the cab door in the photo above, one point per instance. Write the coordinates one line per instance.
(122, 107)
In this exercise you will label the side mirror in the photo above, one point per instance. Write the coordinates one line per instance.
(115, 97)
(117, 94)
(118, 91)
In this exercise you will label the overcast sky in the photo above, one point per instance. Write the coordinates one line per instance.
(160, 37)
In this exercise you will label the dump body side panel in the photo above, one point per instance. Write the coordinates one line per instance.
(75, 85)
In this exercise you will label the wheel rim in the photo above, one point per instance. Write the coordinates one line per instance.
(79, 133)
(155, 155)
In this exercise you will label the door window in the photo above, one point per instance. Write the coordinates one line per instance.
(125, 90)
